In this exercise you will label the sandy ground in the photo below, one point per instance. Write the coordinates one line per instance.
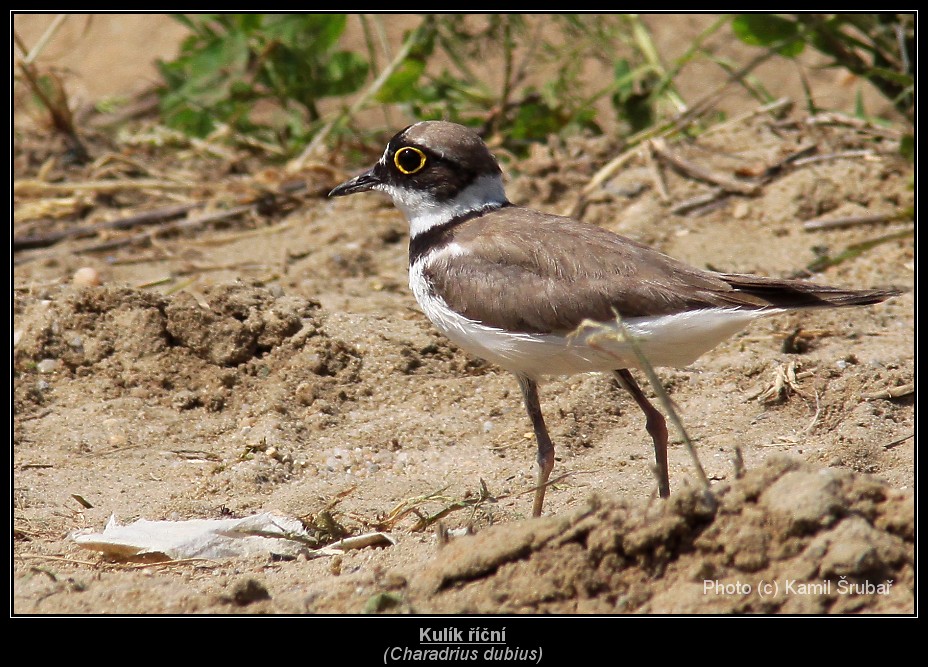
(275, 360)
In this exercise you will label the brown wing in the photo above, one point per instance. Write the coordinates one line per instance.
(531, 272)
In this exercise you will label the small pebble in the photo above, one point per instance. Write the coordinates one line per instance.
(48, 365)
(87, 276)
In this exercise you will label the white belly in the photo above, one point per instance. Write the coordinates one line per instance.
(666, 340)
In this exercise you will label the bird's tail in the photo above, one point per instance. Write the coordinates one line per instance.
(785, 293)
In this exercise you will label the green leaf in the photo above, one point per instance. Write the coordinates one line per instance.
(859, 110)
(633, 99)
(769, 30)
(317, 32)
(891, 75)
(241, 90)
(907, 147)
(401, 85)
(218, 59)
(248, 23)
(424, 43)
(344, 73)
(533, 122)
(624, 79)
(192, 121)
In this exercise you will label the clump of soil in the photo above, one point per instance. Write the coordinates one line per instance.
(181, 350)
(788, 538)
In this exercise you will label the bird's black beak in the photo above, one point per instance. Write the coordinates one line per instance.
(360, 183)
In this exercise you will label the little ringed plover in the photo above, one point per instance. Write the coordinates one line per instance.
(511, 285)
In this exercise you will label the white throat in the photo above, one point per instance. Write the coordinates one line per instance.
(423, 212)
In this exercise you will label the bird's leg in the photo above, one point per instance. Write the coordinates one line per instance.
(656, 426)
(545, 447)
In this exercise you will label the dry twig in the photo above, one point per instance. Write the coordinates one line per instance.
(852, 221)
(775, 106)
(657, 175)
(29, 187)
(785, 382)
(139, 219)
(891, 393)
(660, 148)
(899, 441)
(843, 155)
(698, 201)
(682, 120)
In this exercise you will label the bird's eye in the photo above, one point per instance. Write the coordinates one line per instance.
(409, 160)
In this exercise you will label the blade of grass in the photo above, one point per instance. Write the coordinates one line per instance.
(855, 250)
(605, 332)
(39, 46)
(642, 37)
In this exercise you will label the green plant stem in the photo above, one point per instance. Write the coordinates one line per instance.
(369, 42)
(701, 105)
(694, 48)
(372, 52)
(507, 67)
(649, 51)
(624, 336)
(855, 250)
(451, 50)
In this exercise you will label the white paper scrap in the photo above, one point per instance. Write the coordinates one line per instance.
(209, 538)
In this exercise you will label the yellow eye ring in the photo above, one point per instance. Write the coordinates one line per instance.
(409, 160)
